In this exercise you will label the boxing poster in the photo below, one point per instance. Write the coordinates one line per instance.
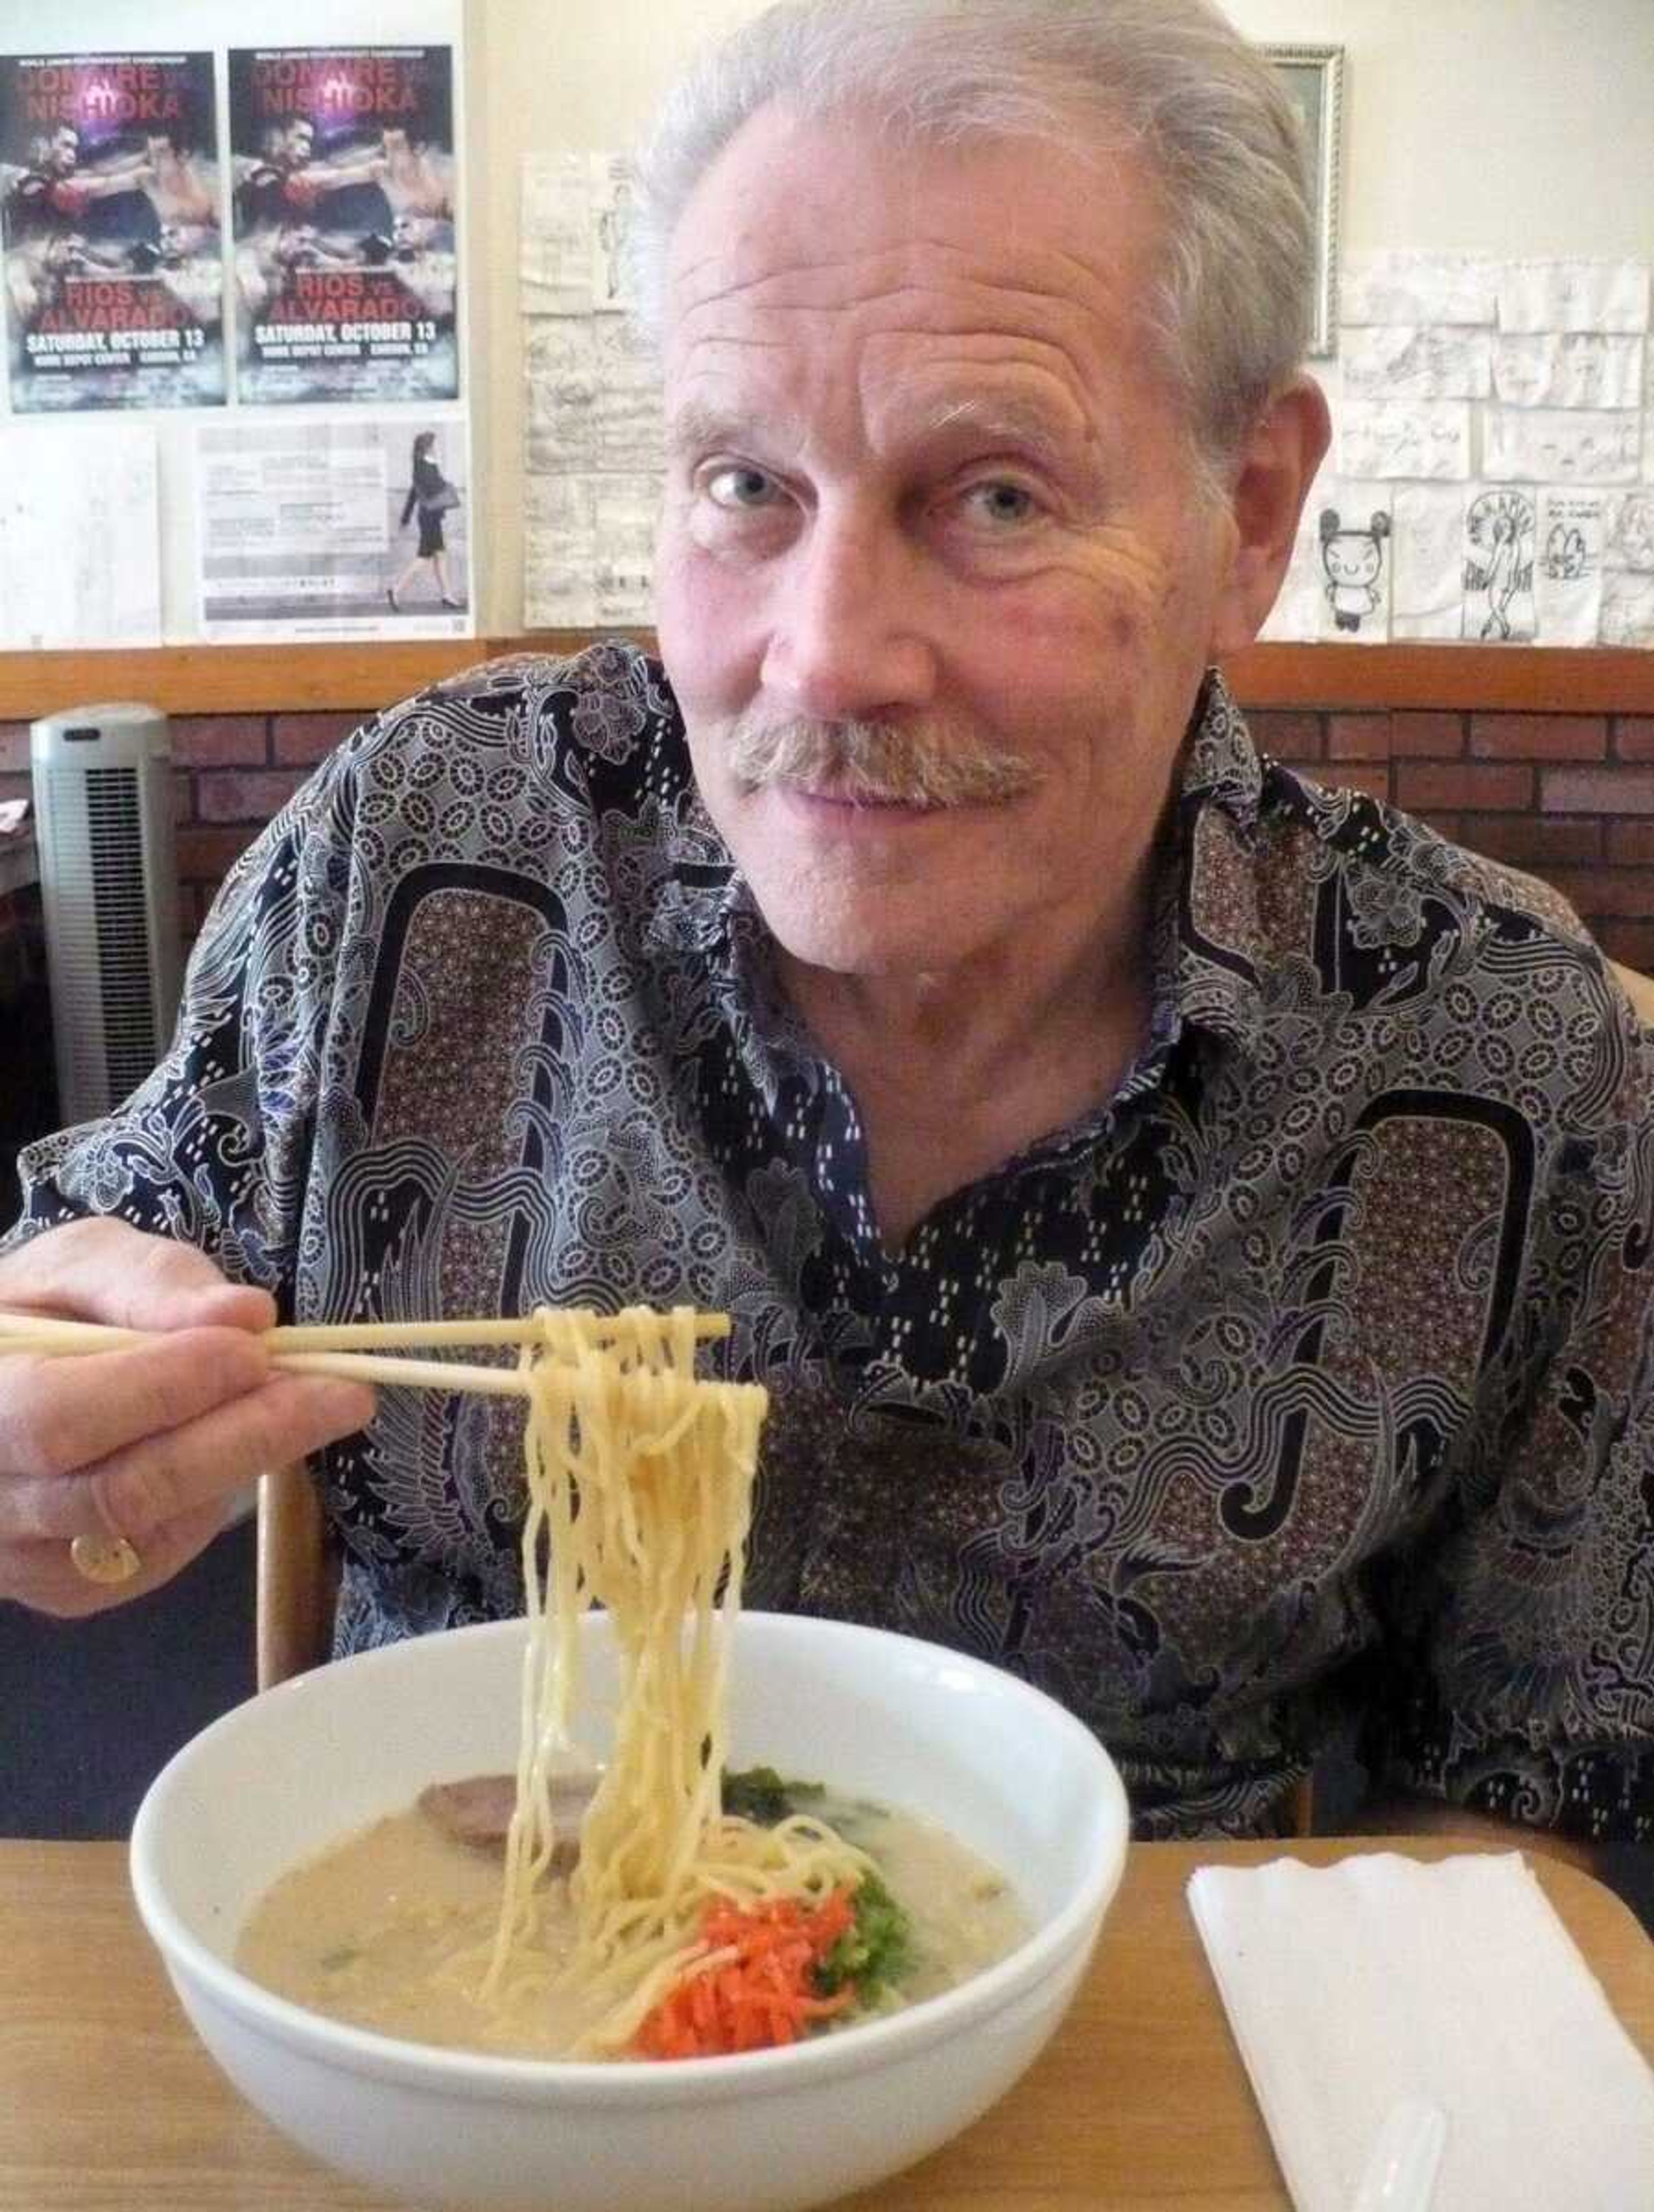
(345, 261)
(109, 220)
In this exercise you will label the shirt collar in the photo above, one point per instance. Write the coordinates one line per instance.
(1218, 983)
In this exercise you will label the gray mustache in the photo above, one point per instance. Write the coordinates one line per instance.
(873, 763)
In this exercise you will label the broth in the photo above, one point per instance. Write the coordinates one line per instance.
(391, 1931)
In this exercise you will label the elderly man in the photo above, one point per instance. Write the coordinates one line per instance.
(1194, 1226)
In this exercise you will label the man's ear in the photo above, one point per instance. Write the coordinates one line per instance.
(1278, 465)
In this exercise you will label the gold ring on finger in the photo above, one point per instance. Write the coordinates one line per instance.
(105, 1559)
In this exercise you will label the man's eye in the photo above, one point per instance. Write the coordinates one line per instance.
(741, 488)
(1000, 505)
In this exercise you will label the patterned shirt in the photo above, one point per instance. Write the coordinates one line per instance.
(1296, 1402)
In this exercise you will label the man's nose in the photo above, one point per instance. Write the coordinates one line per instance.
(846, 639)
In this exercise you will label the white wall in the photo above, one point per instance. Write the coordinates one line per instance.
(1501, 126)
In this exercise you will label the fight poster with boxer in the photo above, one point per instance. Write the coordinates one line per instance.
(346, 269)
(109, 220)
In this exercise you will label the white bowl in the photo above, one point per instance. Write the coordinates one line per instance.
(1008, 1770)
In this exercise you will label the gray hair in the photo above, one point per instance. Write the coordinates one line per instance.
(1231, 308)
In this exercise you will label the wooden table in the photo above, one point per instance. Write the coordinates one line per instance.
(106, 2100)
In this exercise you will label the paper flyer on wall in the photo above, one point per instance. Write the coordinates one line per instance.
(84, 571)
(589, 550)
(579, 217)
(114, 274)
(346, 266)
(349, 527)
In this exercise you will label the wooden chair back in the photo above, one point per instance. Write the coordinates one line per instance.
(1639, 989)
(297, 1578)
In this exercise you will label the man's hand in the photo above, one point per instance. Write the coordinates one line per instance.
(151, 1443)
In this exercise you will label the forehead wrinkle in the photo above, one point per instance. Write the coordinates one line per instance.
(730, 342)
(756, 295)
(1035, 390)
(1048, 355)
(921, 242)
(881, 284)
(1034, 359)
(1032, 385)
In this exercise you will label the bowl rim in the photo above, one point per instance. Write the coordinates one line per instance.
(476, 2075)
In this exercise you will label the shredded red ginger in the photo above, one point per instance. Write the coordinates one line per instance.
(765, 1993)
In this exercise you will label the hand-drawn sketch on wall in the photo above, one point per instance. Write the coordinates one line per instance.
(555, 269)
(1565, 556)
(1426, 590)
(589, 550)
(1427, 439)
(1627, 608)
(1312, 78)
(1568, 578)
(1353, 559)
(1573, 295)
(616, 217)
(578, 214)
(594, 450)
(1383, 361)
(1393, 286)
(1553, 444)
(1568, 368)
(1498, 566)
(1630, 541)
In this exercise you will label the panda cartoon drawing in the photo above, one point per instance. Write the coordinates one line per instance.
(1353, 561)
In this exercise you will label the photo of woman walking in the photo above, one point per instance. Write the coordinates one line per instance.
(430, 496)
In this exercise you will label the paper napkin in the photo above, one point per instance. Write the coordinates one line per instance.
(1351, 1986)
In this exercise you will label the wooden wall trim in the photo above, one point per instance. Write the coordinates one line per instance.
(1509, 679)
(254, 679)
(229, 679)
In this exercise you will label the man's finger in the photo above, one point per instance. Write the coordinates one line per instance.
(153, 1479)
(58, 1415)
(108, 1272)
(148, 1486)
(43, 1576)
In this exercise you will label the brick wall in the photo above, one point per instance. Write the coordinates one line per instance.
(1568, 797)
(231, 773)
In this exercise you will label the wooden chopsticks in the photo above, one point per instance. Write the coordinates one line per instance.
(357, 1352)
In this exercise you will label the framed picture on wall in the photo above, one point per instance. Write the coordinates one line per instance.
(1313, 79)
